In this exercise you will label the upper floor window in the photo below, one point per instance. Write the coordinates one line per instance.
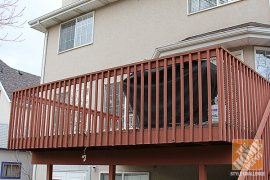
(10, 170)
(77, 32)
(263, 62)
(199, 5)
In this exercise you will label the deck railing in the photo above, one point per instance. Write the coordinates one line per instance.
(172, 99)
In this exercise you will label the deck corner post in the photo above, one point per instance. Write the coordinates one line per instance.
(202, 172)
(49, 172)
(112, 169)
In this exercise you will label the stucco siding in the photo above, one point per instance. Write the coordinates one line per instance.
(130, 30)
(4, 107)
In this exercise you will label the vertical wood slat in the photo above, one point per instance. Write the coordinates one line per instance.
(19, 119)
(58, 97)
(182, 99)
(11, 121)
(52, 116)
(173, 100)
(127, 105)
(23, 120)
(39, 114)
(165, 95)
(71, 140)
(78, 123)
(34, 118)
(230, 98)
(94, 123)
(209, 95)
(102, 109)
(191, 119)
(67, 123)
(108, 107)
(48, 125)
(83, 117)
(227, 90)
(16, 120)
(62, 116)
(89, 111)
(135, 80)
(142, 105)
(157, 102)
(121, 106)
(114, 106)
(149, 117)
(200, 96)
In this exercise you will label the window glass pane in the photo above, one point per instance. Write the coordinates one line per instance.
(105, 176)
(263, 63)
(198, 5)
(84, 28)
(136, 177)
(67, 35)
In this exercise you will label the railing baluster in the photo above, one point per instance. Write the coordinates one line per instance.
(108, 107)
(90, 111)
(200, 96)
(114, 106)
(101, 118)
(78, 122)
(127, 105)
(52, 119)
(121, 106)
(149, 103)
(209, 95)
(34, 122)
(63, 114)
(39, 114)
(157, 102)
(142, 105)
(173, 100)
(11, 121)
(22, 140)
(73, 112)
(48, 119)
(83, 127)
(182, 99)
(165, 96)
(44, 114)
(94, 123)
(191, 120)
(135, 80)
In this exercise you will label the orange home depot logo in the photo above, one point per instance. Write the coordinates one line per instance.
(247, 154)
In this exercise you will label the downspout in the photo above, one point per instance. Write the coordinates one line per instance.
(45, 31)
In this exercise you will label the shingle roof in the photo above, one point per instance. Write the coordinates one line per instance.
(13, 79)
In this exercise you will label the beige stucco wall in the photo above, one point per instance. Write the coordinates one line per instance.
(5, 106)
(248, 52)
(130, 30)
(22, 157)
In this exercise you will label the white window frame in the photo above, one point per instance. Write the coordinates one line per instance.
(206, 9)
(239, 52)
(124, 172)
(262, 49)
(92, 38)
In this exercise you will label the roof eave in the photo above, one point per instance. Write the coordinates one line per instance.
(65, 13)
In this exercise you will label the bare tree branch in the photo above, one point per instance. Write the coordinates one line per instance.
(10, 16)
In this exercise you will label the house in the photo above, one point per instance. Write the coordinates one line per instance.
(14, 164)
(149, 89)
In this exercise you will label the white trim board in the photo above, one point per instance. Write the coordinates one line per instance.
(4, 92)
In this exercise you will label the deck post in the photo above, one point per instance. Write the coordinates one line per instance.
(112, 169)
(202, 172)
(49, 172)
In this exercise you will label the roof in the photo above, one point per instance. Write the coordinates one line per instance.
(66, 13)
(251, 33)
(245, 25)
(13, 79)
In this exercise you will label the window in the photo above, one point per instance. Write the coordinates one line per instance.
(199, 5)
(76, 33)
(10, 170)
(263, 62)
(127, 176)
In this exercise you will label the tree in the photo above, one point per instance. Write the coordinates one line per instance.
(10, 16)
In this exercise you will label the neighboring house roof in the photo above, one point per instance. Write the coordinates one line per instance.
(3, 135)
(13, 79)
(230, 35)
(66, 13)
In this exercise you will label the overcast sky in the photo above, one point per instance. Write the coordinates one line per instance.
(27, 55)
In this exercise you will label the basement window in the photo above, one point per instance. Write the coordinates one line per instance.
(10, 170)
(76, 33)
(201, 5)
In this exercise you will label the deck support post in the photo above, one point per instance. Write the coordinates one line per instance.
(202, 172)
(49, 172)
(112, 169)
